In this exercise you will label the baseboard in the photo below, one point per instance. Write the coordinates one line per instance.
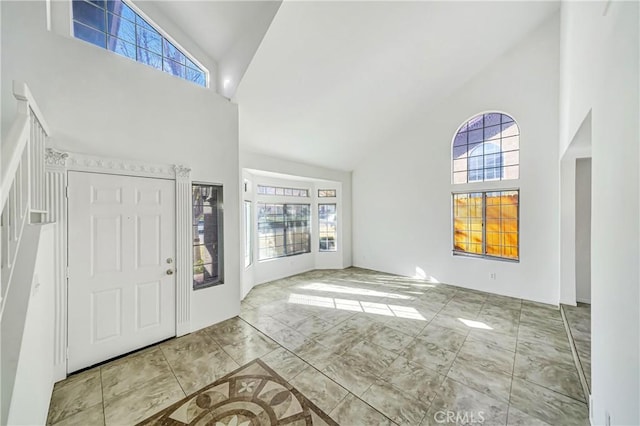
(576, 358)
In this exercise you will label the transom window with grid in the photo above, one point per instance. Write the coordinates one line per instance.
(283, 230)
(486, 148)
(486, 224)
(115, 26)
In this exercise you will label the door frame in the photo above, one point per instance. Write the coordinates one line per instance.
(58, 164)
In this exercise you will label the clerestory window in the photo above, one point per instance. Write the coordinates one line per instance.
(116, 26)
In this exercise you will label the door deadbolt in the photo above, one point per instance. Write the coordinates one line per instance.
(169, 260)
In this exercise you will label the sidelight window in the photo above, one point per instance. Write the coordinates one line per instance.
(207, 235)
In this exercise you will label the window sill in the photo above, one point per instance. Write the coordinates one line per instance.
(203, 286)
(484, 256)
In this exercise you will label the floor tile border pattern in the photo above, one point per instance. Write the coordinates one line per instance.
(304, 401)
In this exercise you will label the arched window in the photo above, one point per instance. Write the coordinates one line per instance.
(487, 147)
(486, 219)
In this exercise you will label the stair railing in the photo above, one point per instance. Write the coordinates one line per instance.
(22, 173)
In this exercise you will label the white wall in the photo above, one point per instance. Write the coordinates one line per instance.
(402, 193)
(583, 230)
(100, 103)
(259, 169)
(579, 147)
(600, 73)
(34, 372)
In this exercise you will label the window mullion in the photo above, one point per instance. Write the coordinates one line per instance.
(484, 223)
(286, 229)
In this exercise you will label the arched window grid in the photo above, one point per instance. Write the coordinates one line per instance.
(486, 148)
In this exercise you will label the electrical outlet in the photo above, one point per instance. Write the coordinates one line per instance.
(493, 275)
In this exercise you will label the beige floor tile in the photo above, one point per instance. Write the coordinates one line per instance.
(395, 403)
(133, 371)
(547, 405)
(353, 411)
(191, 346)
(391, 339)
(487, 356)
(351, 372)
(519, 418)
(196, 373)
(230, 331)
(458, 323)
(492, 338)
(410, 326)
(78, 393)
(93, 416)
(445, 337)
(320, 389)
(285, 363)
(556, 375)
(429, 355)
(417, 381)
(474, 407)
(253, 347)
(137, 404)
(495, 384)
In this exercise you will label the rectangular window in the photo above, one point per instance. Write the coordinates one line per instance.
(248, 247)
(283, 192)
(486, 224)
(326, 193)
(115, 26)
(327, 226)
(207, 235)
(283, 230)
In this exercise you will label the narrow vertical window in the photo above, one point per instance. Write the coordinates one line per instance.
(207, 235)
(248, 247)
(327, 227)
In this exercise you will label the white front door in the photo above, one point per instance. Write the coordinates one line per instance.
(121, 291)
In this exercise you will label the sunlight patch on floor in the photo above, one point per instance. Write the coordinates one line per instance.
(475, 324)
(357, 306)
(350, 290)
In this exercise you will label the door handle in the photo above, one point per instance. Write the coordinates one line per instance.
(169, 271)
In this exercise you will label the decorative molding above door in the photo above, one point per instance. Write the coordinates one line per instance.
(57, 163)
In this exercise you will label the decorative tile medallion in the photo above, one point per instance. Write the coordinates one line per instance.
(252, 395)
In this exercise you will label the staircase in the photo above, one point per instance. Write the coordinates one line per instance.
(22, 198)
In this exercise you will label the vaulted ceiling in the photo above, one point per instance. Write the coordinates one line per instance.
(228, 31)
(322, 82)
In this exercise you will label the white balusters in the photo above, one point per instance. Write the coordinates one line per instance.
(22, 192)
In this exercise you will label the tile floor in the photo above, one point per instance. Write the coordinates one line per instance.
(579, 320)
(367, 348)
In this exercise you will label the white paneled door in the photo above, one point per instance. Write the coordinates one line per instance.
(121, 293)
